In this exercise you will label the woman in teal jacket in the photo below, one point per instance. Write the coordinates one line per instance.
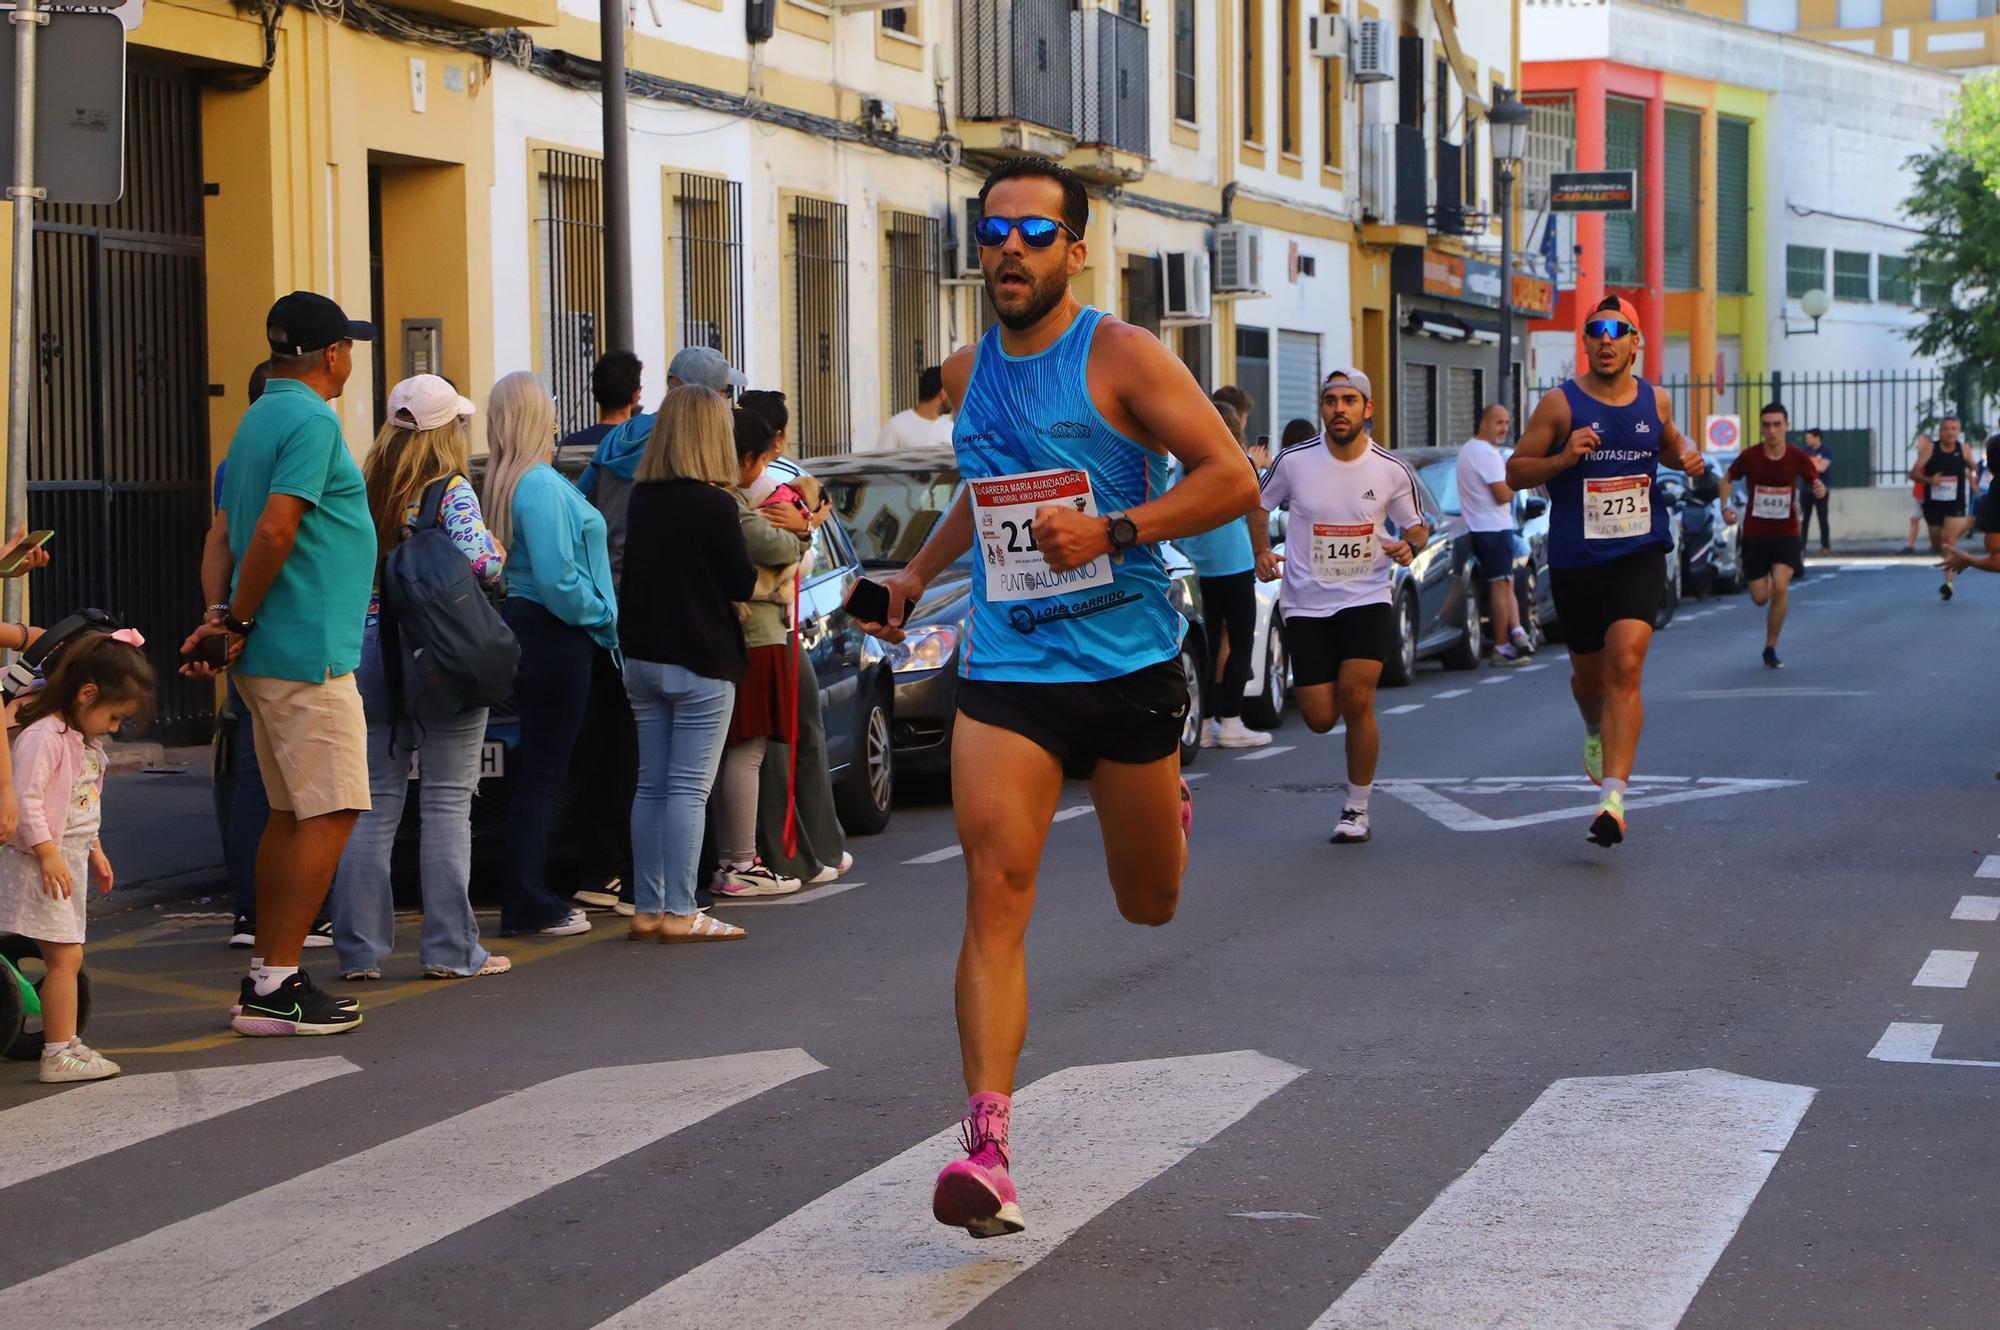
(561, 605)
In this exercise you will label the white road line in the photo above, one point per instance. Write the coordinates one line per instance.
(938, 856)
(1498, 678)
(1908, 1041)
(1977, 909)
(1530, 669)
(69, 1128)
(1989, 867)
(380, 1205)
(1606, 1204)
(1450, 692)
(869, 1254)
(1081, 810)
(803, 896)
(1455, 815)
(1404, 709)
(1192, 776)
(1946, 969)
(1760, 694)
(1263, 753)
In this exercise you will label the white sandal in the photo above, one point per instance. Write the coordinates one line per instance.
(706, 928)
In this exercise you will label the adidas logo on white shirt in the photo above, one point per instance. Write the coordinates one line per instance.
(1369, 495)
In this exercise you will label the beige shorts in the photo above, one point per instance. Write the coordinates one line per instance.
(312, 743)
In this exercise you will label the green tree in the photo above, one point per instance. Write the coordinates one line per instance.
(1957, 259)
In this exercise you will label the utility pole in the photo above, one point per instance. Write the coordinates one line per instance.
(27, 19)
(616, 335)
(1509, 122)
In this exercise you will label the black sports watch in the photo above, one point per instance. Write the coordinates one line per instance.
(240, 627)
(1122, 531)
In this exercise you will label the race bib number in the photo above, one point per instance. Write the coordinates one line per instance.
(1772, 503)
(1003, 519)
(1944, 490)
(1342, 553)
(1615, 507)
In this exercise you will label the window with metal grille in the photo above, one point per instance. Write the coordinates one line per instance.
(1288, 76)
(708, 262)
(1464, 388)
(1416, 408)
(1805, 269)
(569, 249)
(915, 291)
(1683, 194)
(1551, 148)
(896, 20)
(822, 415)
(1624, 146)
(1184, 76)
(1732, 206)
(1850, 276)
(1253, 71)
(1194, 344)
(1139, 284)
(1895, 278)
(1298, 376)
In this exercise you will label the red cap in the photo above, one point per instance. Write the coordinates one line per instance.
(1625, 312)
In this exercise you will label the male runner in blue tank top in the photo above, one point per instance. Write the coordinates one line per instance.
(1596, 443)
(1065, 418)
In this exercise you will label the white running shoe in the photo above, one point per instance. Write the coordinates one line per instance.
(75, 1061)
(1353, 827)
(1233, 733)
(756, 880)
(1211, 733)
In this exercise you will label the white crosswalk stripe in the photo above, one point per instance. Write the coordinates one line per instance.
(382, 1204)
(1606, 1204)
(869, 1254)
(67, 1129)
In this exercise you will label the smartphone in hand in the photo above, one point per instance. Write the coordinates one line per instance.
(212, 651)
(869, 601)
(19, 558)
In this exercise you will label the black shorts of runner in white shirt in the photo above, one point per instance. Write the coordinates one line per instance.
(1320, 646)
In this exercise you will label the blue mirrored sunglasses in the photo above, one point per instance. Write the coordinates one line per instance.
(1607, 328)
(1036, 232)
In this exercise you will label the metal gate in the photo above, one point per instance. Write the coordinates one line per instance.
(118, 443)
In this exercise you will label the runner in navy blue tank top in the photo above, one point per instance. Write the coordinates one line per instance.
(1596, 444)
(1071, 659)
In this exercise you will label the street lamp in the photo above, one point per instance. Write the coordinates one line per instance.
(1814, 304)
(1509, 120)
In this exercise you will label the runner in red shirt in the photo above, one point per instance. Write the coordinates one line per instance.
(1773, 551)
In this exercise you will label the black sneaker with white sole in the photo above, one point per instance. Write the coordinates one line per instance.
(242, 932)
(344, 1003)
(320, 934)
(294, 1007)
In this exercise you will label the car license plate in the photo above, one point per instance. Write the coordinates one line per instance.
(492, 762)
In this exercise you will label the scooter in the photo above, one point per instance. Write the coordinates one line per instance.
(1701, 527)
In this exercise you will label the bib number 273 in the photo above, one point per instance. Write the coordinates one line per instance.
(1616, 507)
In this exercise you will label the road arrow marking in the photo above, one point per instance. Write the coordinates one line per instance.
(1431, 797)
(869, 1254)
(1606, 1204)
(366, 1210)
(69, 1128)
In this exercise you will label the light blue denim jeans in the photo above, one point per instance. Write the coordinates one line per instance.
(682, 718)
(364, 907)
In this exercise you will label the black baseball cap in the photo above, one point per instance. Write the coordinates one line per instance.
(304, 322)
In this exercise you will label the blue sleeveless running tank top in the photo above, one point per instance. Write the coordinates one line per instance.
(1631, 447)
(1034, 413)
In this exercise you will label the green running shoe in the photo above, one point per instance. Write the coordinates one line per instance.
(1593, 758)
(1608, 827)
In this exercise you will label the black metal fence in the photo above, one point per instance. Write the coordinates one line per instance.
(1015, 62)
(822, 416)
(570, 227)
(915, 294)
(1870, 418)
(708, 253)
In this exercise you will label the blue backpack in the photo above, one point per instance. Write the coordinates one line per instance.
(445, 647)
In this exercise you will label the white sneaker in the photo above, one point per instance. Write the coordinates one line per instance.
(846, 863)
(1233, 733)
(576, 923)
(825, 875)
(1210, 733)
(756, 880)
(75, 1061)
(1353, 827)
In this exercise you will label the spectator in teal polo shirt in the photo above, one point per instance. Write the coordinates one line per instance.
(288, 592)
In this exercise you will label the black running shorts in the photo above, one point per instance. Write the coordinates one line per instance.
(1936, 513)
(1319, 646)
(1763, 553)
(1592, 598)
(1135, 718)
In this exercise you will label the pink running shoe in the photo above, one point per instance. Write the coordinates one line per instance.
(1187, 810)
(975, 1193)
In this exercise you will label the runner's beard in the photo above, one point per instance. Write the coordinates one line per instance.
(1042, 297)
(1345, 434)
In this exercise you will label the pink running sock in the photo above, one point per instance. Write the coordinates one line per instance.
(988, 1115)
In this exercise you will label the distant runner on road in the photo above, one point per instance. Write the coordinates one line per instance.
(1773, 546)
(1065, 418)
(1945, 471)
(1596, 443)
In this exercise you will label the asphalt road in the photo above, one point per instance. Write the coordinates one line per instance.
(1475, 1074)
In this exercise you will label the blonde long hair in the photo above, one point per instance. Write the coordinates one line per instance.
(399, 466)
(520, 436)
(692, 439)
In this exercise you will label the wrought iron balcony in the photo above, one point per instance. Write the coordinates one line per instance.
(1017, 62)
(1113, 94)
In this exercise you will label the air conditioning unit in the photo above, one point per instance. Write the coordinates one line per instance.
(1374, 51)
(964, 265)
(1326, 36)
(1185, 289)
(1239, 259)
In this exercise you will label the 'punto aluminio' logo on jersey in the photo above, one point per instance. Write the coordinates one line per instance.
(1069, 429)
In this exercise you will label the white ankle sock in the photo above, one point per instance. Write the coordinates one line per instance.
(1357, 796)
(50, 1050)
(1612, 785)
(269, 977)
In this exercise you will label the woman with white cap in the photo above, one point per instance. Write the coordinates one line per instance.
(422, 442)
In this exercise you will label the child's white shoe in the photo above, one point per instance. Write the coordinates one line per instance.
(75, 1061)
